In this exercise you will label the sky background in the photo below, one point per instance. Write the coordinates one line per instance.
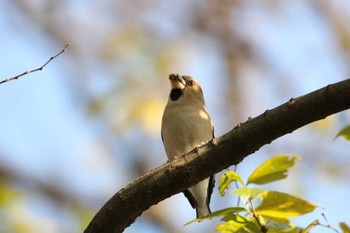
(88, 124)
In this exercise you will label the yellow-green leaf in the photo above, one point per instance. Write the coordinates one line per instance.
(226, 179)
(273, 169)
(310, 226)
(289, 230)
(233, 176)
(237, 223)
(275, 223)
(249, 193)
(281, 205)
(345, 228)
(220, 213)
(344, 133)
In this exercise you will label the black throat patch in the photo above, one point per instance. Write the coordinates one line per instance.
(175, 94)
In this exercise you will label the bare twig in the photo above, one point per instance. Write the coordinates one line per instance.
(236, 184)
(37, 69)
(328, 225)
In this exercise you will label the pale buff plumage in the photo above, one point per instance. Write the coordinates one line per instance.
(186, 124)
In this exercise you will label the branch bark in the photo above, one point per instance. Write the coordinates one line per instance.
(246, 138)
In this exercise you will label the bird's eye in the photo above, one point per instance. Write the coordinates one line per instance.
(191, 83)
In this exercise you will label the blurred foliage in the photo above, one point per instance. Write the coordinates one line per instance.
(11, 210)
(325, 126)
(8, 194)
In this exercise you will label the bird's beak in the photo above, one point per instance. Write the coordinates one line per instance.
(177, 82)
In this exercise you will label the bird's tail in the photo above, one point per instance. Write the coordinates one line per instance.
(202, 211)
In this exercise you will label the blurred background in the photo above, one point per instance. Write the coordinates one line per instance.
(88, 124)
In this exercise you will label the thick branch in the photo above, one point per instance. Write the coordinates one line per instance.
(171, 178)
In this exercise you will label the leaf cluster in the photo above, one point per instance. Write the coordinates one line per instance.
(263, 210)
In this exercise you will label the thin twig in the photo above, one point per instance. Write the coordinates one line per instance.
(37, 69)
(255, 215)
(328, 224)
(236, 184)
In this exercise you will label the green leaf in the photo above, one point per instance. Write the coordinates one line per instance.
(310, 226)
(344, 133)
(273, 169)
(281, 205)
(237, 223)
(275, 223)
(228, 211)
(283, 225)
(226, 179)
(289, 230)
(233, 176)
(249, 193)
(220, 213)
(345, 228)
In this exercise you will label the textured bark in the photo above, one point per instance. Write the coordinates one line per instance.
(171, 178)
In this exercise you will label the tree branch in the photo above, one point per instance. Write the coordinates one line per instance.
(37, 69)
(173, 177)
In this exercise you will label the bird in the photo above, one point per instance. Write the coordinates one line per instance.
(186, 124)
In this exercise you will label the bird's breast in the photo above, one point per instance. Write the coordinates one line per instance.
(184, 128)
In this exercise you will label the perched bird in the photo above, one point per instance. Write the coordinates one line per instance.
(186, 124)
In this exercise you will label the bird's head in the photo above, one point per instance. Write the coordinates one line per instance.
(185, 88)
